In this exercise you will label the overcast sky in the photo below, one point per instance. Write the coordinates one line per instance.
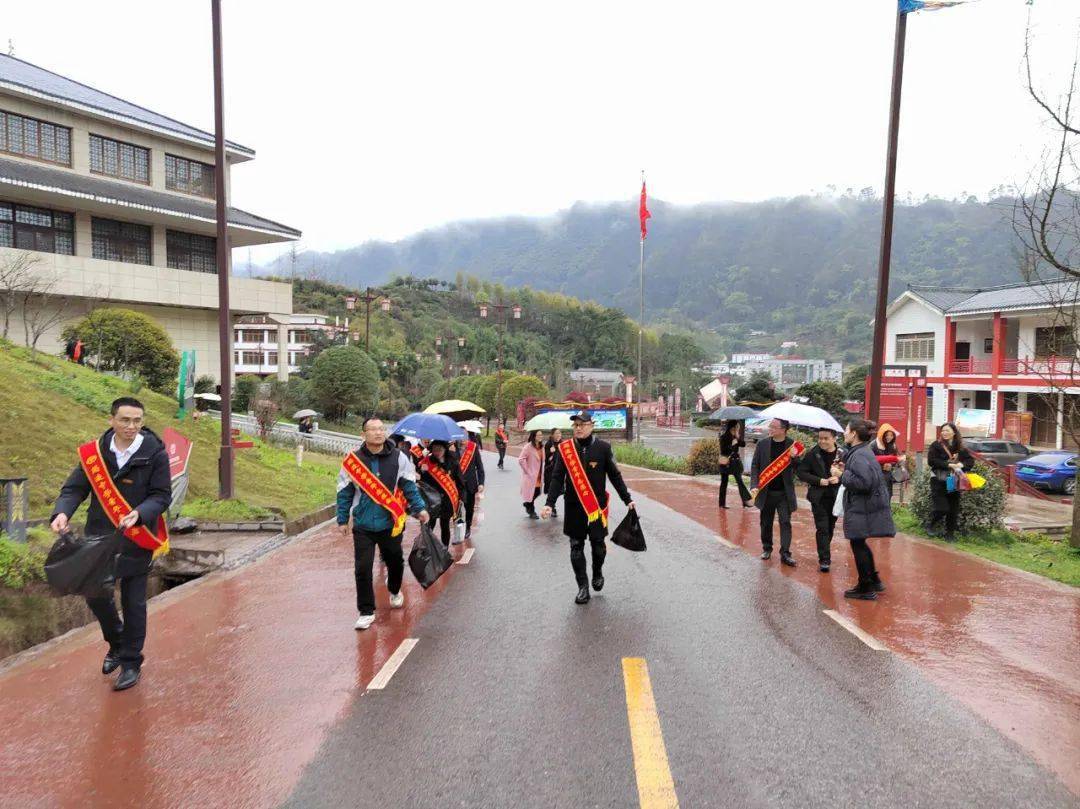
(376, 120)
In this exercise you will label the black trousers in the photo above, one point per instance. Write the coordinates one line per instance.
(577, 558)
(446, 516)
(775, 504)
(364, 543)
(946, 507)
(864, 561)
(470, 507)
(125, 637)
(502, 455)
(824, 525)
(530, 505)
(732, 470)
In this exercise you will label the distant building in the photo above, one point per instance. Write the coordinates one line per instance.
(257, 348)
(115, 204)
(597, 381)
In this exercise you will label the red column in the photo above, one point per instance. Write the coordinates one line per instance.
(950, 404)
(950, 351)
(999, 344)
(999, 416)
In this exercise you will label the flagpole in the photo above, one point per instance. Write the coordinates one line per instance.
(873, 397)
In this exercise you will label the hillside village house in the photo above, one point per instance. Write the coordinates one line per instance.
(998, 348)
(116, 203)
(258, 349)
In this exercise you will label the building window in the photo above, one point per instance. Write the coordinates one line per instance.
(271, 358)
(115, 158)
(251, 358)
(29, 137)
(189, 176)
(39, 229)
(918, 346)
(190, 251)
(1054, 341)
(121, 241)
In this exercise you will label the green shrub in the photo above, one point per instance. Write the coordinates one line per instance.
(21, 563)
(243, 392)
(704, 457)
(639, 455)
(343, 380)
(126, 341)
(205, 384)
(980, 509)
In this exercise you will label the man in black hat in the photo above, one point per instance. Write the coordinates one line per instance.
(595, 458)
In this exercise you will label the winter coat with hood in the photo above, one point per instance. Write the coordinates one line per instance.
(885, 452)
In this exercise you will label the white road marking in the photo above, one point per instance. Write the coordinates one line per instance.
(727, 542)
(391, 666)
(467, 556)
(851, 627)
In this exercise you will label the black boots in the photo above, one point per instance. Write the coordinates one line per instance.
(864, 591)
(128, 677)
(598, 583)
(582, 595)
(787, 559)
(110, 664)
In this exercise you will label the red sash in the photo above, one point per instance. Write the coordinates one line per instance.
(374, 488)
(417, 452)
(501, 435)
(584, 490)
(778, 466)
(442, 477)
(467, 456)
(115, 506)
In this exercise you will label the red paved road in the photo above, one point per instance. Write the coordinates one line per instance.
(1004, 642)
(193, 734)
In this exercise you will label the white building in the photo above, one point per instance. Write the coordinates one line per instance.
(114, 205)
(997, 348)
(257, 349)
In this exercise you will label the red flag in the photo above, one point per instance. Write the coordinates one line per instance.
(643, 212)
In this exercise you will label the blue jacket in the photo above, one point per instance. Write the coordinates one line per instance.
(367, 514)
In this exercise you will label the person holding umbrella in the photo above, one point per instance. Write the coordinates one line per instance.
(440, 470)
(551, 447)
(731, 441)
(471, 465)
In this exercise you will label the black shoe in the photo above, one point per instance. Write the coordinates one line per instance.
(554, 513)
(766, 554)
(877, 584)
(824, 567)
(747, 503)
(861, 591)
(127, 678)
(785, 559)
(598, 583)
(110, 664)
(582, 595)
(722, 506)
(533, 515)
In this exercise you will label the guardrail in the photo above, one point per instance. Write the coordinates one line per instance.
(322, 441)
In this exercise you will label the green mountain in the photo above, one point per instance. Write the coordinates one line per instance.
(801, 269)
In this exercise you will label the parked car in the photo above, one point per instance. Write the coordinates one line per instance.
(757, 429)
(1003, 453)
(1054, 471)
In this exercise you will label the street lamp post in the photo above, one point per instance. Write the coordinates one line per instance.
(448, 363)
(370, 295)
(500, 324)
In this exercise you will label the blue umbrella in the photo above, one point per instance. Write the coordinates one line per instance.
(429, 425)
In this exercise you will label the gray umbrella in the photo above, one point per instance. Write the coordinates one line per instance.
(733, 413)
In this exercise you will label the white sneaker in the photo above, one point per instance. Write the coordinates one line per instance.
(364, 621)
(397, 600)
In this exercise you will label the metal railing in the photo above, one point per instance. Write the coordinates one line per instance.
(285, 433)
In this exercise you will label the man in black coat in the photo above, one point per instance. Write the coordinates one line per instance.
(139, 465)
(474, 479)
(815, 470)
(777, 498)
(599, 463)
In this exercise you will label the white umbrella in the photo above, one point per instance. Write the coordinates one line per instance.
(472, 425)
(551, 420)
(801, 414)
(210, 397)
(303, 414)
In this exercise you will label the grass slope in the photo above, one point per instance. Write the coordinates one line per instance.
(49, 406)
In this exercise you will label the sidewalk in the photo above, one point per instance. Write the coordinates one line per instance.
(1004, 642)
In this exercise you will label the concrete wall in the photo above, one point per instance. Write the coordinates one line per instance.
(914, 317)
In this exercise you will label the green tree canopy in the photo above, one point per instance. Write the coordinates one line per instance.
(516, 388)
(760, 387)
(826, 395)
(125, 341)
(343, 380)
(855, 382)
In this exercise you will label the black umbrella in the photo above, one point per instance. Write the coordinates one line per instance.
(732, 413)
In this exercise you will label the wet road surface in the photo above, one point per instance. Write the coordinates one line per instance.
(255, 693)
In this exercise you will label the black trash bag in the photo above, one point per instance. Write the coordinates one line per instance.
(429, 558)
(432, 497)
(629, 534)
(83, 566)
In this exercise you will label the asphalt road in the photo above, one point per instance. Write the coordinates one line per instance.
(514, 696)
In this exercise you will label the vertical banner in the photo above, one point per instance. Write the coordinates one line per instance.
(902, 404)
(185, 387)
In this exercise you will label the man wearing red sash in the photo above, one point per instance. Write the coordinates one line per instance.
(376, 486)
(472, 471)
(126, 475)
(772, 485)
(583, 466)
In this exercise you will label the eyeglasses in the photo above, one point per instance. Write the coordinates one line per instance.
(134, 422)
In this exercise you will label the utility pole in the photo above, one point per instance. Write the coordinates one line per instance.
(225, 459)
(873, 397)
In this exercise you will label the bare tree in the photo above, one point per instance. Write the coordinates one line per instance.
(42, 308)
(16, 272)
(1046, 220)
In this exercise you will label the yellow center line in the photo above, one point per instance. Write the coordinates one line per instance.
(656, 789)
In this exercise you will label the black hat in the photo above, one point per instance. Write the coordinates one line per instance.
(583, 415)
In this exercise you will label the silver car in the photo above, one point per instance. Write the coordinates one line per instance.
(1003, 453)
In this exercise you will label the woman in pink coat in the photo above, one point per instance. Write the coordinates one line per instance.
(531, 461)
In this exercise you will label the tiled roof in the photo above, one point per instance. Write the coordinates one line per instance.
(17, 172)
(1007, 297)
(51, 85)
